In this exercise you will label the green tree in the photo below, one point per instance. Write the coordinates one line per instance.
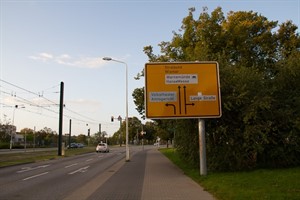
(46, 137)
(138, 98)
(134, 127)
(5, 133)
(259, 74)
(150, 135)
(82, 138)
(29, 135)
(288, 40)
(283, 138)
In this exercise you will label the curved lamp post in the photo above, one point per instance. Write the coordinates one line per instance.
(127, 147)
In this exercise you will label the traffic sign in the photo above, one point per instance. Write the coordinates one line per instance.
(182, 90)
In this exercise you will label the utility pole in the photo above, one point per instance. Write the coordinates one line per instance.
(99, 136)
(70, 126)
(34, 138)
(60, 129)
(120, 140)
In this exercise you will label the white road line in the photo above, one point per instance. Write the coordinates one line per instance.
(71, 165)
(83, 169)
(89, 160)
(25, 169)
(35, 176)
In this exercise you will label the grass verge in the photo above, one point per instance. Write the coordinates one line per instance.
(35, 156)
(262, 184)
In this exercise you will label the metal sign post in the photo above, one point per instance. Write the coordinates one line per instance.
(202, 147)
(184, 90)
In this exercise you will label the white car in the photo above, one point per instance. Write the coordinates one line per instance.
(102, 147)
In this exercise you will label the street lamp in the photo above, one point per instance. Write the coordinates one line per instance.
(126, 143)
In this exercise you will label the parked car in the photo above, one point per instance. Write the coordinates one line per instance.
(102, 147)
(80, 145)
(72, 145)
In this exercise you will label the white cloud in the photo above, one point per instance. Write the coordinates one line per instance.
(42, 57)
(64, 56)
(67, 60)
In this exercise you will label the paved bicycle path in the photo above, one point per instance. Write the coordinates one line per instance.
(149, 176)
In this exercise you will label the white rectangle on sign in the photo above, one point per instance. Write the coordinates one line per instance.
(163, 96)
(203, 98)
(181, 79)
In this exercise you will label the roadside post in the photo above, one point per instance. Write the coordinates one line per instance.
(63, 147)
(143, 133)
(176, 90)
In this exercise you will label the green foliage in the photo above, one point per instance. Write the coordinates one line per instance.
(135, 127)
(149, 128)
(283, 147)
(260, 78)
(138, 96)
(5, 133)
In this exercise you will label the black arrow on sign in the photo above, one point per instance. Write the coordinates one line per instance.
(186, 104)
(174, 107)
(179, 96)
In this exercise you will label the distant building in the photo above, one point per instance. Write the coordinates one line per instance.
(18, 138)
(11, 130)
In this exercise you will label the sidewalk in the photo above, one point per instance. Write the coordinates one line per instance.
(163, 180)
(149, 176)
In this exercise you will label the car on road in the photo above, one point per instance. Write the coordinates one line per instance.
(102, 147)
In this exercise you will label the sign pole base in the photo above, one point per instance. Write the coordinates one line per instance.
(202, 147)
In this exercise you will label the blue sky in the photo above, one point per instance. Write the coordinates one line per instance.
(45, 42)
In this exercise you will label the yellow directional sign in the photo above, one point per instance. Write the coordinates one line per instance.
(182, 90)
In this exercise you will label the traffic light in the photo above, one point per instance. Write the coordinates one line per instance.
(88, 132)
(112, 118)
(120, 118)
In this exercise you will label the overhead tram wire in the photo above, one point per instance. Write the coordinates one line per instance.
(18, 87)
(38, 95)
(30, 103)
(90, 120)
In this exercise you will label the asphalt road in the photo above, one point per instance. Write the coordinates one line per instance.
(56, 179)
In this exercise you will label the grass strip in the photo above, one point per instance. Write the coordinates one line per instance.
(261, 184)
(35, 156)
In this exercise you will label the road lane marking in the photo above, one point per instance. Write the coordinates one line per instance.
(89, 160)
(89, 188)
(25, 169)
(83, 169)
(30, 177)
(71, 165)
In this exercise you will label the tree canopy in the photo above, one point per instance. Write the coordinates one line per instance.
(259, 77)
